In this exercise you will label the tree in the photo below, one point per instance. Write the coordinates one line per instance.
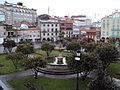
(25, 42)
(112, 40)
(73, 46)
(25, 49)
(87, 63)
(48, 47)
(102, 83)
(9, 44)
(35, 63)
(90, 47)
(107, 54)
(88, 40)
(15, 58)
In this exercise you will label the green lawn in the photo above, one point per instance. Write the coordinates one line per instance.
(114, 68)
(53, 53)
(8, 66)
(48, 83)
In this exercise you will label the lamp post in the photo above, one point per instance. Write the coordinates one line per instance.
(77, 58)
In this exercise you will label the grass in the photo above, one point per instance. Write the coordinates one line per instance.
(113, 69)
(53, 53)
(48, 83)
(8, 66)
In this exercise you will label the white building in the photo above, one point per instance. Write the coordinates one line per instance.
(2, 14)
(3, 33)
(50, 29)
(15, 13)
(30, 34)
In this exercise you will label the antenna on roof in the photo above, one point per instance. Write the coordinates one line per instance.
(48, 10)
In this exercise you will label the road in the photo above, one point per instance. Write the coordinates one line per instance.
(36, 45)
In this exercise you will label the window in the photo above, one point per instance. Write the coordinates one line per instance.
(56, 29)
(56, 25)
(117, 33)
(48, 34)
(107, 21)
(52, 29)
(44, 25)
(113, 21)
(103, 33)
(43, 34)
(4, 33)
(52, 34)
(113, 33)
(113, 27)
(107, 27)
(107, 33)
(103, 26)
(48, 30)
(52, 25)
(38, 35)
(117, 27)
(48, 25)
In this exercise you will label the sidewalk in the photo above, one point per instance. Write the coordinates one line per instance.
(5, 78)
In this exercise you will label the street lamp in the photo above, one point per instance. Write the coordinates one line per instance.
(77, 58)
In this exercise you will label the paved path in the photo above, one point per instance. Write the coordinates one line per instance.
(5, 78)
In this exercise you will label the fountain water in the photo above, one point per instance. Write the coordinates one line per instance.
(59, 60)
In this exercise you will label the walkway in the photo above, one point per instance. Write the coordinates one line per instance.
(5, 78)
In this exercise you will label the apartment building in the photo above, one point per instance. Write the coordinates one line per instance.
(50, 28)
(66, 26)
(3, 33)
(2, 14)
(15, 13)
(30, 34)
(79, 21)
(110, 26)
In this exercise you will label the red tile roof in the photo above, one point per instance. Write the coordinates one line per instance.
(83, 29)
(91, 30)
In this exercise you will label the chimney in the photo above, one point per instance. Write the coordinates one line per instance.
(20, 4)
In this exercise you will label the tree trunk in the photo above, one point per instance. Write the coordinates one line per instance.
(47, 53)
(36, 74)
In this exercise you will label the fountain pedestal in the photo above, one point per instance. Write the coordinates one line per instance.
(59, 63)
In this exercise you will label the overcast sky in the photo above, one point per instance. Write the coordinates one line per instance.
(73, 7)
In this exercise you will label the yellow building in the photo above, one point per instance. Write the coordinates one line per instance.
(110, 26)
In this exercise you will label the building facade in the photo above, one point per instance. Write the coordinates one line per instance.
(66, 26)
(30, 34)
(50, 29)
(3, 33)
(2, 14)
(110, 26)
(15, 13)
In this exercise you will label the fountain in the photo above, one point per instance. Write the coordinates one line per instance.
(59, 60)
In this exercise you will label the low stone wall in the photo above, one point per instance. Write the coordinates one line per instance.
(61, 67)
